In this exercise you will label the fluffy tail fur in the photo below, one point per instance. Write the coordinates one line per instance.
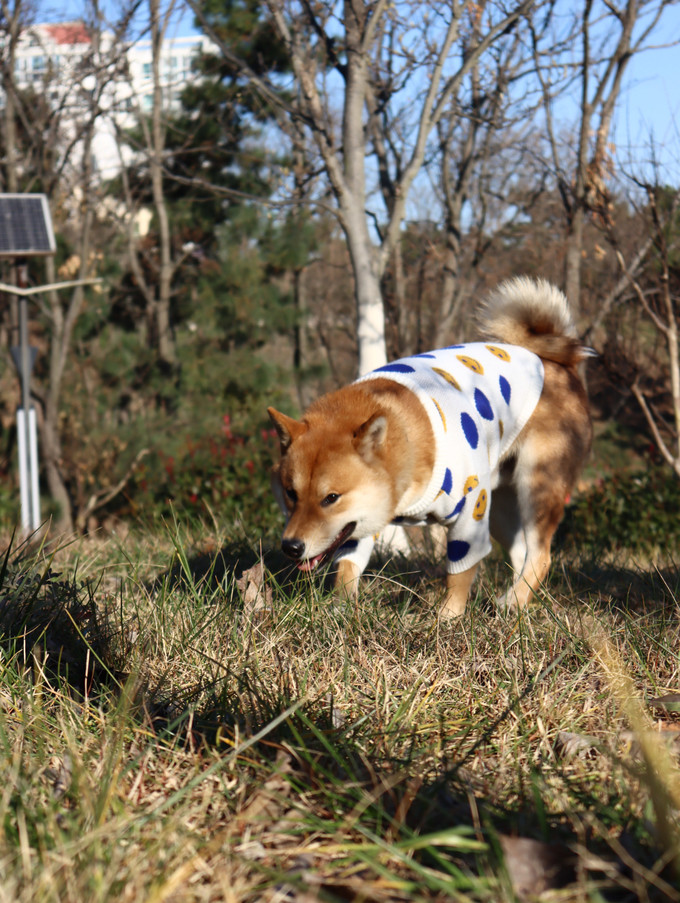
(536, 315)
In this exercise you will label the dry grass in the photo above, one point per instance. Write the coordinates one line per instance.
(227, 740)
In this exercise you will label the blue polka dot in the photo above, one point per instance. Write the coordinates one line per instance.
(457, 549)
(505, 389)
(424, 354)
(398, 367)
(470, 430)
(455, 346)
(448, 482)
(459, 507)
(483, 405)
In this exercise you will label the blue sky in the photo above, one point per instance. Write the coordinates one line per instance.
(650, 102)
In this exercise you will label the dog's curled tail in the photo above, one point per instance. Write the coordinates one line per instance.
(533, 314)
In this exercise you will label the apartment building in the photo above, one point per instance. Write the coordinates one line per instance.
(57, 59)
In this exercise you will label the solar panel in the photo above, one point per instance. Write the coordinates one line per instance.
(25, 226)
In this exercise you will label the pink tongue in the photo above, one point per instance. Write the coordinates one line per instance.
(311, 563)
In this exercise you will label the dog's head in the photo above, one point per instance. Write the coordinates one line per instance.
(331, 482)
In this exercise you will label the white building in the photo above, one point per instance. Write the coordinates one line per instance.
(57, 59)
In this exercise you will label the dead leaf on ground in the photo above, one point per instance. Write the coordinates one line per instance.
(534, 867)
(257, 594)
(568, 745)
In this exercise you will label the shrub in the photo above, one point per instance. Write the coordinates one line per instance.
(637, 511)
(224, 472)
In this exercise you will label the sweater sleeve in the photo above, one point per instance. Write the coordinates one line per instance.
(468, 538)
(358, 551)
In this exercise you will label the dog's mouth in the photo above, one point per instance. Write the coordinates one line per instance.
(311, 564)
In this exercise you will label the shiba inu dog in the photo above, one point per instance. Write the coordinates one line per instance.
(485, 438)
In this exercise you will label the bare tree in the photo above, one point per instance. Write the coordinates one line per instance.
(661, 303)
(90, 91)
(483, 144)
(159, 261)
(373, 79)
(589, 58)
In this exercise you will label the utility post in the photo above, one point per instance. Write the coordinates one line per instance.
(26, 231)
(27, 431)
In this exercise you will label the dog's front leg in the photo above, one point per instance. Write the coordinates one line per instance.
(350, 564)
(457, 592)
(347, 578)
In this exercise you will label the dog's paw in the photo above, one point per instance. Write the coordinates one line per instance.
(517, 597)
(506, 601)
(451, 609)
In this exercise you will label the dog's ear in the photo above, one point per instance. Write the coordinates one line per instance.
(287, 428)
(370, 436)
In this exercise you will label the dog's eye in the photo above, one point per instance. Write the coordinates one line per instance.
(292, 495)
(330, 499)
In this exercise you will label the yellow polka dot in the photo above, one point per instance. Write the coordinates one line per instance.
(501, 428)
(447, 376)
(441, 413)
(480, 505)
(470, 362)
(499, 352)
(470, 484)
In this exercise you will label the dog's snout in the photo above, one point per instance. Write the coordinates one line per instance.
(293, 548)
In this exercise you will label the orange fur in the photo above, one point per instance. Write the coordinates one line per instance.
(365, 452)
(333, 451)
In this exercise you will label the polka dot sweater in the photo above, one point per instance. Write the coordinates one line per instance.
(478, 398)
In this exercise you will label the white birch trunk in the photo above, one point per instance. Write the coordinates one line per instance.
(371, 346)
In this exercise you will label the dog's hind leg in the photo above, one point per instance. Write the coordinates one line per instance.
(508, 524)
(528, 515)
(531, 576)
(535, 483)
(506, 527)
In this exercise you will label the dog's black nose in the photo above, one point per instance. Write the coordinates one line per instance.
(293, 548)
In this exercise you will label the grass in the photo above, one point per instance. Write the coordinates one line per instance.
(171, 729)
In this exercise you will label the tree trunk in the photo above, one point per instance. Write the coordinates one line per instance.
(372, 347)
(451, 293)
(161, 309)
(573, 260)
(12, 33)
(299, 350)
(64, 316)
(50, 438)
(403, 337)
(56, 487)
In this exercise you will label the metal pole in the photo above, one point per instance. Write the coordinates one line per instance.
(24, 477)
(28, 517)
(33, 469)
